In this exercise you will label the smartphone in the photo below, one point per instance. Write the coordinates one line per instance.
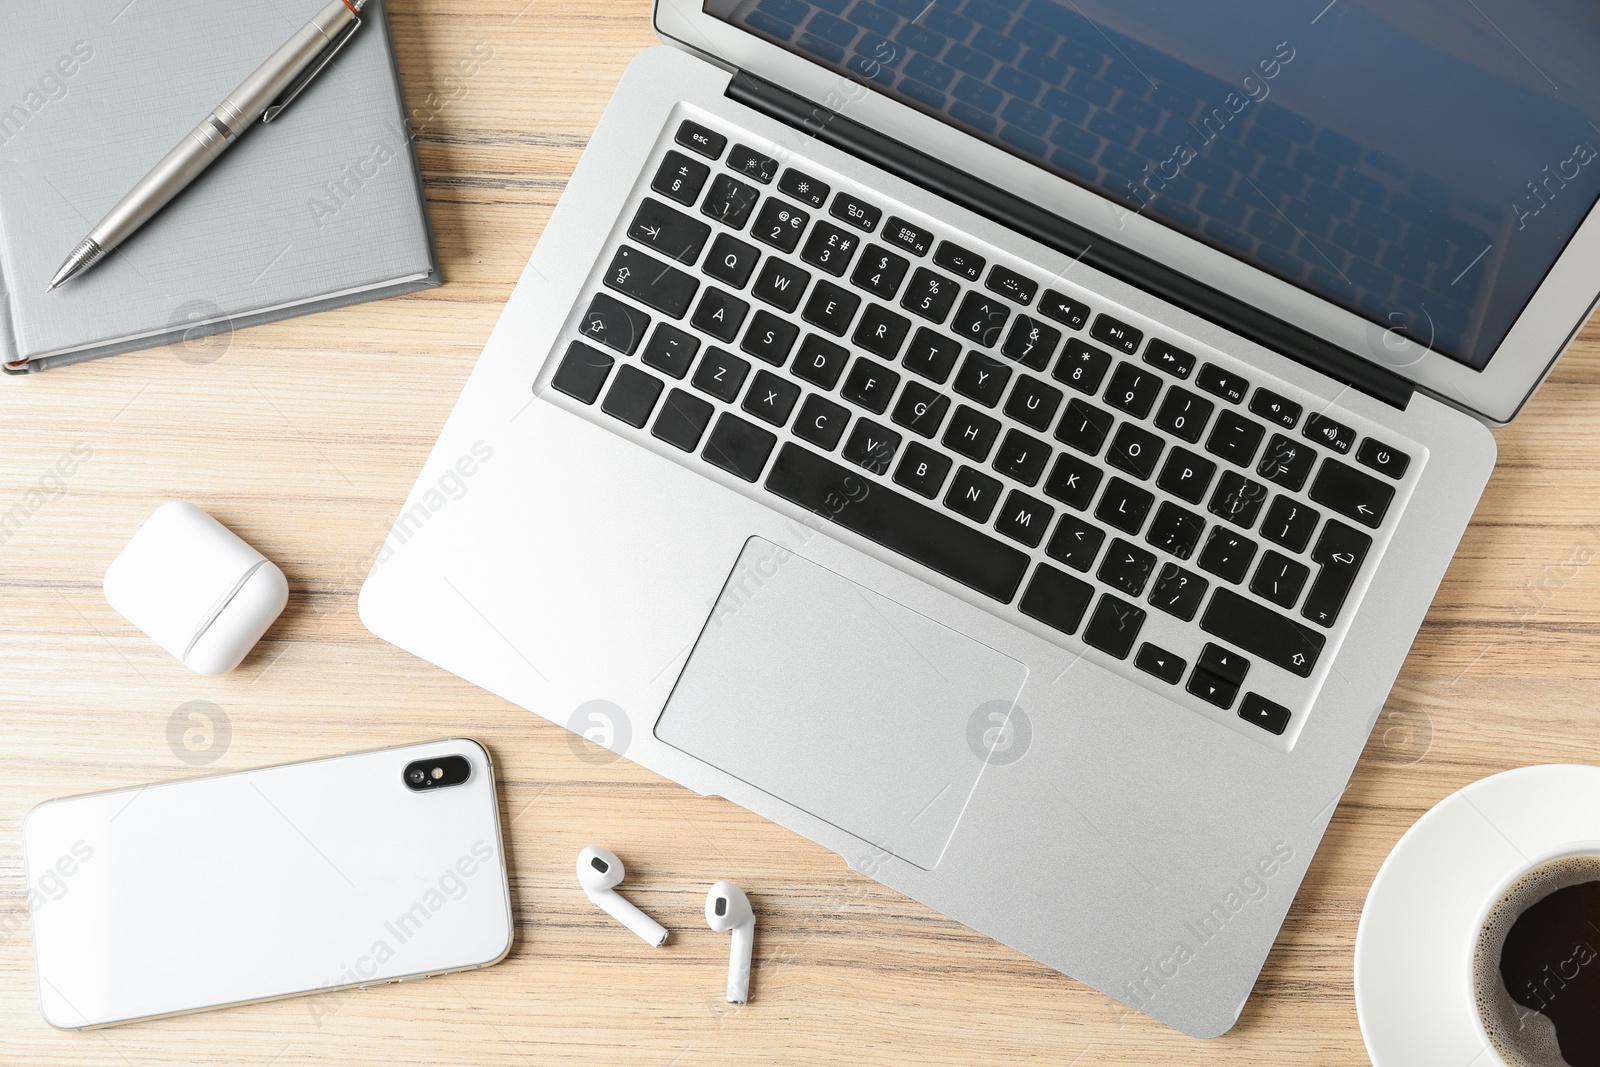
(304, 878)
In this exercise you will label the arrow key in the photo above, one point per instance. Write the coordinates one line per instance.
(1152, 659)
(1352, 493)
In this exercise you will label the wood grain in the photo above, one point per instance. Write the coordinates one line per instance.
(304, 437)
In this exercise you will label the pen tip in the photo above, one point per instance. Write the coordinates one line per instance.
(50, 287)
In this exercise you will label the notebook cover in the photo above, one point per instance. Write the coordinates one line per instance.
(323, 207)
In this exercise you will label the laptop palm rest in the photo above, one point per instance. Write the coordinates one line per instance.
(839, 701)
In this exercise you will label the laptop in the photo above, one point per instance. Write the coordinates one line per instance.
(1014, 443)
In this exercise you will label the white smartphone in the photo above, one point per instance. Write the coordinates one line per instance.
(304, 878)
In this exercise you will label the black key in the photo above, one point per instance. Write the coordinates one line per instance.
(1058, 600)
(697, 138)
(720, 374)
(881, 331)
(1065, 310)
(1132, 390)
(781, 284)
(752, 164)
(1031, 342)
(971, 433)
(1286, 462)
(973, 494)
(683, 419)
(1225, 663)
(930, 295)
(1021, 457)
(1352, 493)
(1383, 459)
(651, 282)
(680, 178)
(830, 248)
(770, 338)
(980, 319)
(1084, 427)
(1279, 579)
(731, 260)
(1325, 431)
(1186, 475)
(1114, 626)
(1152, 659)
(1262, 632)
(931, 355)
(871, 446)
(1173, 360)
(1276, 409)
(1227, 555)
(719, 314)
(821, 422)
(779, 224)
(1238, 499)
(922, 470)
(1082, 366)
(1338, 556)
(880, 272)
(632, 396)
(1075, 543)
(1184, 414)
(1218, 382)
(871, 385)
(614, 324)
(920, 409)
(1134, 450)
(730, 202)
(1073, 481)
(1126, 567)
(1116, 334)
(959, 261)
(1124, 505)
(1011, 285)
(982, 378)
(858, 213)
(1235, 438)
(668, 231)
(671, 350)
(900, 524)
(1175, 531)
(1273, 718)
(1178, 592)
(913, 239)
(1289, 523)
(738, 447)
(831, 307)
(1024, 518)
(1211, 689)
(771, 398)
(820, 361)
(582, 372)
(803, 187)
(1033, 403)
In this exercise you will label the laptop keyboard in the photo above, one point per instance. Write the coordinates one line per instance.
(1188, 521)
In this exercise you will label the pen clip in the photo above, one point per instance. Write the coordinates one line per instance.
(307, 76)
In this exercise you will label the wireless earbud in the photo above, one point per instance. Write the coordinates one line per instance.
(727, 908)
(599, 873)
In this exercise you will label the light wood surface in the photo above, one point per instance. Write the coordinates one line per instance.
(305, 436)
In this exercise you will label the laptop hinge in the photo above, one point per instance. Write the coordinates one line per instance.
(1071, 239)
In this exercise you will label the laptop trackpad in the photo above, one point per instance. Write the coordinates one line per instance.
(839, 701)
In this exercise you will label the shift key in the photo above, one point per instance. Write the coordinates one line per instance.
(651, 282)
(1262, 632)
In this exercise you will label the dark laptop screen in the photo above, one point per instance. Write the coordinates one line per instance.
(1420, 162)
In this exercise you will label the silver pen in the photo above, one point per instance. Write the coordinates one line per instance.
(263, 95)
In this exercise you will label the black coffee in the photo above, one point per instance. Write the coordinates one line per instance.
(1536, 970)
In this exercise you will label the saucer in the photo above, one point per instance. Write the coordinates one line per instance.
(1412, 959)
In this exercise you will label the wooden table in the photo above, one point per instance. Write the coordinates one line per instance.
(304, 437)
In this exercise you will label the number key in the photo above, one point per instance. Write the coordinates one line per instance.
(1183, 414)
(830, 248)
(779, 225)
(880, 272)
(1082, 366)
(1132, 390)
(929, 294)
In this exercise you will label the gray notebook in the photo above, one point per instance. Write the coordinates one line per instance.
(322, 208)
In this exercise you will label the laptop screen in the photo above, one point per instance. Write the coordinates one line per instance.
(1421, 163)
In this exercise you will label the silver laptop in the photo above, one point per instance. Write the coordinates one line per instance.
(1013, 443)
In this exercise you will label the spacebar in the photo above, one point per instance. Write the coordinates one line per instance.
(897, 522)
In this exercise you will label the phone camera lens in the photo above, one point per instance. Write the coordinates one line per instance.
(417, 776)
